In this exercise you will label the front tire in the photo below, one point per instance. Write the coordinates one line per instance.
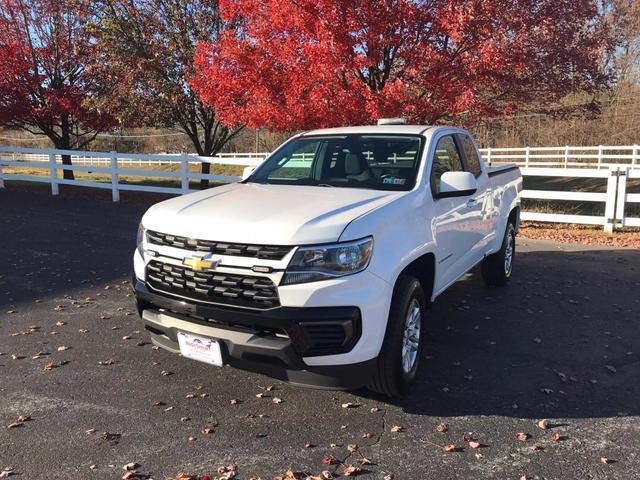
(497, 267)
(401, 351)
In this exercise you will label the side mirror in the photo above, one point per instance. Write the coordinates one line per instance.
(457, 184)
(246, 173)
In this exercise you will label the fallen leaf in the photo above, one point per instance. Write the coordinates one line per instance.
(474, 444)
(234, 401)
(556, 437)
(328, 460)
(365, 461)
(522, 437)
(184, 419)
(166, 373)
(277, 400)
(349, 405)
(206, 430)
(605, 460)
(49, 366)
(352, 447)
(130, 467)
(14, 425)
(158, 403)
(6, 472)
(108, 361)
(543, 424)
(396, 429)
(375, 409)
(442, 427)
(611, 368)
(448, 448)
(366, 436)
(63, 348)
(349, 470)
(535, 447)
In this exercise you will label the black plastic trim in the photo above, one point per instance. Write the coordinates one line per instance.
(285, 319)
(457, 193)
(493, 173)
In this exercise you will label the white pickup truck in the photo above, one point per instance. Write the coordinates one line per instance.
(319, 266)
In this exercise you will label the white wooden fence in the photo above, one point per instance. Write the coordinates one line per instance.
(600, 157)
(616, 168)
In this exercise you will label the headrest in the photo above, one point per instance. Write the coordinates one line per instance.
(352, 164)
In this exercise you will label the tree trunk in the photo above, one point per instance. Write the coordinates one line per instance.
(67, 174)
(65, 144)
(205, 169)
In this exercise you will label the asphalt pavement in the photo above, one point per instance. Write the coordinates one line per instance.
(560, 343)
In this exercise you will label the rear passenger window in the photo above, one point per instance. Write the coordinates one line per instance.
(470, 154)
(445, 159)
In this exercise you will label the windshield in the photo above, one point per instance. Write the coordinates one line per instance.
(381, 162)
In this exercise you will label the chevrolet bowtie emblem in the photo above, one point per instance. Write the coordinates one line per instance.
(200, 263)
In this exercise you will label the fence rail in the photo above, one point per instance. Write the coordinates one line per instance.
(600, 157)
(114, 165)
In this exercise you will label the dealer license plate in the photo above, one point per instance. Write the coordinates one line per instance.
(199, 348)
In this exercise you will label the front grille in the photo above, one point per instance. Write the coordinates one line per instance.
(266, 252)
(213, 287)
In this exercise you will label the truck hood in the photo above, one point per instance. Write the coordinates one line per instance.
(265, 214)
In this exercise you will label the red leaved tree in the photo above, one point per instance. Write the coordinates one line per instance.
(316, 63)
(149, 46)
(48, 74)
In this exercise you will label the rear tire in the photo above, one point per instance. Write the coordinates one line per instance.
(399, 359)
(497, 268)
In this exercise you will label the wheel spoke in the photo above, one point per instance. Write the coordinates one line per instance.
(411, 336)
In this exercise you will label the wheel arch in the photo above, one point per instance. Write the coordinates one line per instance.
(514, 217)
(424, 269)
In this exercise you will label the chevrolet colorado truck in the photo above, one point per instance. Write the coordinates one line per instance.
(319, 266)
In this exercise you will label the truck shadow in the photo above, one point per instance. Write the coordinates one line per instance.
(561, 341)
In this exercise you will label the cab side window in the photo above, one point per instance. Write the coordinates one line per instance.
(445, 159)
(470, 154)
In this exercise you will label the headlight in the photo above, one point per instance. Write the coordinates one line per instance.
(141, 240)
(322, 262)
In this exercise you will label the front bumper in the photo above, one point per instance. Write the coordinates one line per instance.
(272, 342)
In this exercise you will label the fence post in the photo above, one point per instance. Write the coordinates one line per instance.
(566, 156)
(53, 172)
(599, 156)
(115, 178)
(610, 206)
(621, 195)
(184, 172)
(489, 156)
(526, 157)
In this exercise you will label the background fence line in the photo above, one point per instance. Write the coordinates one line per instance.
(565, 162)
